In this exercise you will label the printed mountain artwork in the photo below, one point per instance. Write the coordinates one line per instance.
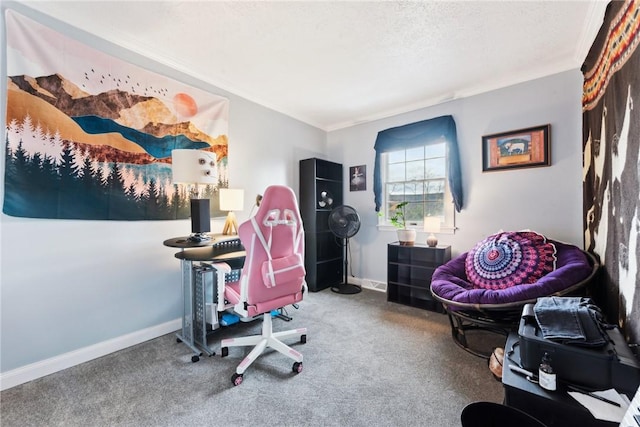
(89, 136)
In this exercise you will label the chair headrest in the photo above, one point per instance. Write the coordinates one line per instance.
(277, 217)
(279, 206)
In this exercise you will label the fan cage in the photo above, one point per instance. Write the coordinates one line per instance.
(344, 221)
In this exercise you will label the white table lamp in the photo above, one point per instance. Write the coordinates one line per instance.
(432, 225)
(191, 168)
(231, 200)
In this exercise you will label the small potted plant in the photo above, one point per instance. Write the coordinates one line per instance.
(406, 236)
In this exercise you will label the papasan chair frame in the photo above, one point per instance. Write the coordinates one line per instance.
(500, 317)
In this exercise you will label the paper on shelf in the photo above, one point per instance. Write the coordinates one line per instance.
(603, 410)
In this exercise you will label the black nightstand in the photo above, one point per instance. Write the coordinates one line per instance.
(409, 270)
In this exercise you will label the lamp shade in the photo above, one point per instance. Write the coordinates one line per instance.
(231, 199)
(193, 167)
(431, 224)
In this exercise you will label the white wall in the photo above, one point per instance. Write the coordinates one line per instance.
(544, 199)
(74, 290)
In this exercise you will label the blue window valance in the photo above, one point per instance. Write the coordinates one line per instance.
(416, 135)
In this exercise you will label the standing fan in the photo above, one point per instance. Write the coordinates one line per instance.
(344, 223)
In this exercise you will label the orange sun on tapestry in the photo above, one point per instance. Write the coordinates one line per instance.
(185, 105)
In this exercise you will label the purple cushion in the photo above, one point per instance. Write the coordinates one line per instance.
(449, 281)
(509, 259)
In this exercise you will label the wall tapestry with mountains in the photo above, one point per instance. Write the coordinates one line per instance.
(89, 136)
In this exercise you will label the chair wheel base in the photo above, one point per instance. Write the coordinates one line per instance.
(236, 379)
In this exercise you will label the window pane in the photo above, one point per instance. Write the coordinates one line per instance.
(414, 212)
(435, 197)
(415, 170)
(395, 193)
(396, 172)
(395, 156)
(413, 191)
(435, 150)
(435, 187)
(415, 153)
(434, 209)
(435, 168)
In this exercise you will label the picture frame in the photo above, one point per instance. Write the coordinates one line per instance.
(358, 178)
(522, 148)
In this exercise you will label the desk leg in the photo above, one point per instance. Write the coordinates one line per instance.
(201, 275)
(186, 335)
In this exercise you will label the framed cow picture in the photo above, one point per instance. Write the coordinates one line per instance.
(522, 148)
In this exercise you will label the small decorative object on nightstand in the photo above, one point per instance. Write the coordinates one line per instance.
(432, 225)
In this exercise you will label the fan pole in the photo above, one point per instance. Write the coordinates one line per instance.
(346, 287)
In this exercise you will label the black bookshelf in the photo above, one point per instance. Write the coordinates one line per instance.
(323, 251)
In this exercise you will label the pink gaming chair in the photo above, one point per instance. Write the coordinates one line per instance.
(272, 276)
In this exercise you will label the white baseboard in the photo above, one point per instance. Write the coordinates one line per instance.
(369, 284)
(42, 368)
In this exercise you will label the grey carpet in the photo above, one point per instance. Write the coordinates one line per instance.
(367, 362)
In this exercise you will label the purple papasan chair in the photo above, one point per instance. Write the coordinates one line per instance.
(487, 287)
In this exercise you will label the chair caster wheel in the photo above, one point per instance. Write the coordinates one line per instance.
(224, 351)
(303, 339)
(236, 379)
(194, 359)
(297, 367)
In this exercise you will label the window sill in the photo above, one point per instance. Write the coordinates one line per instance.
(444, 230)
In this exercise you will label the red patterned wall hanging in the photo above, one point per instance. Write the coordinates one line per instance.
(611, 166)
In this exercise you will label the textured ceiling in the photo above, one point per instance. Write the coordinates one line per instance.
(335, 64)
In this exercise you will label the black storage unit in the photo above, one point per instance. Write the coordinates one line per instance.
(409, 271)
(610, 366)
(553, 408)
(323, 257)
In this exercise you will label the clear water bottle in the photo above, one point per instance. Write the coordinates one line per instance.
(546, 374)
